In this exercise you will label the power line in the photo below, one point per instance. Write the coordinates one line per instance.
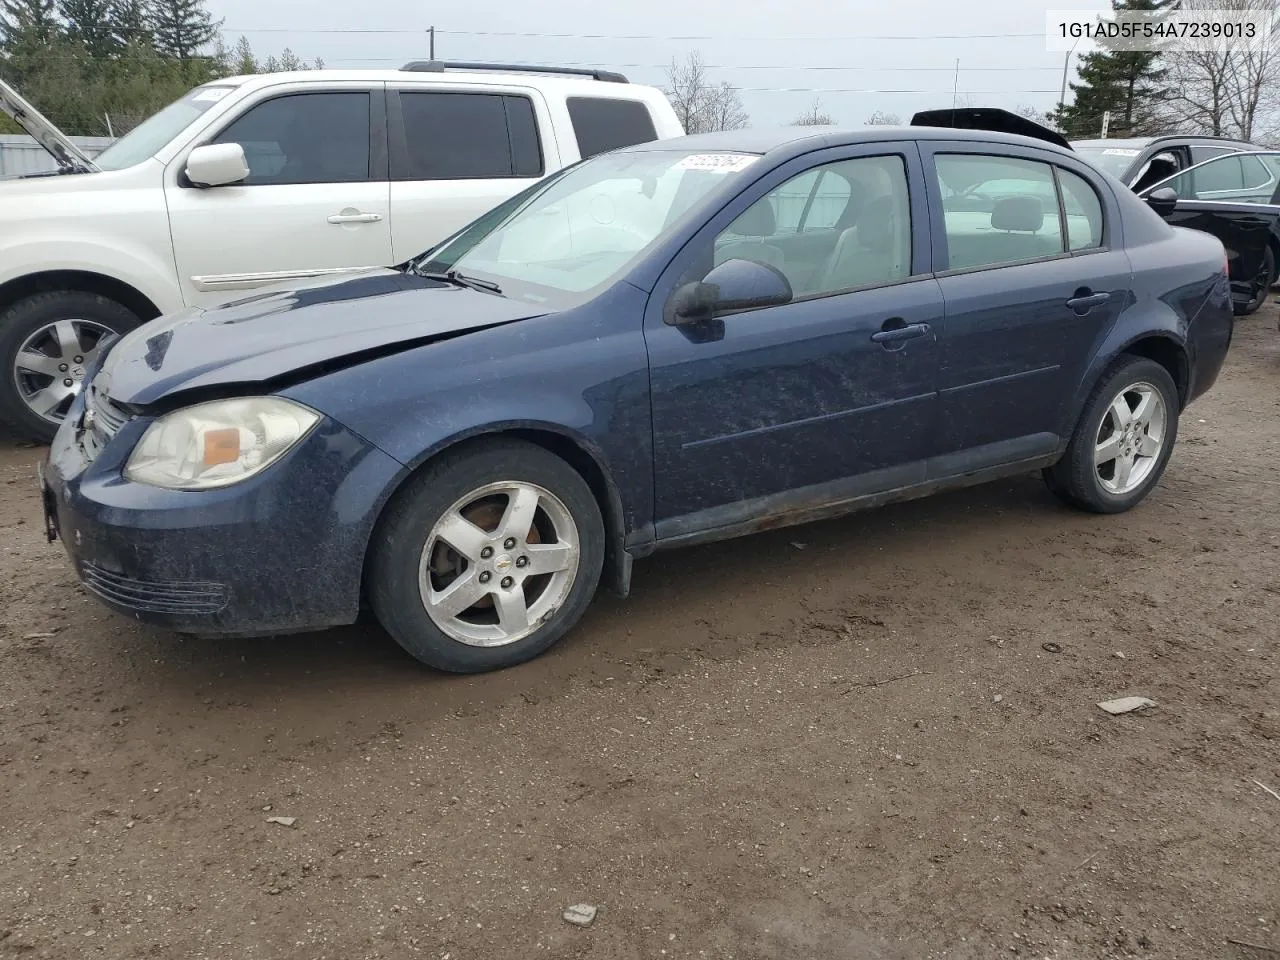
(634, 36)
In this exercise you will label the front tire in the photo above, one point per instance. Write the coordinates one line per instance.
(47, 341)
(487, 557)
(1123, 441)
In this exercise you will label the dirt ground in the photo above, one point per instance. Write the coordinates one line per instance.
(845, 740)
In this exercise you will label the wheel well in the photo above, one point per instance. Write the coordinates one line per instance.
(617, 571)
(52, 281)
(1169, 355)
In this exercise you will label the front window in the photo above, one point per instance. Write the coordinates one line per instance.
(147, 139)
(570, 235)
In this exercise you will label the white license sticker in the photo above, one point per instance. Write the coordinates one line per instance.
(717, 162)
(212, 95)
(1119, 152)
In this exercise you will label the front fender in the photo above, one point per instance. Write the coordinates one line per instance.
(118, 258)
(581, 376)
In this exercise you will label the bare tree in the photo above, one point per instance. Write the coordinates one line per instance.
(701, 104)
(1234, 93)
(1032, 114)
(815, 116)
(882, 119)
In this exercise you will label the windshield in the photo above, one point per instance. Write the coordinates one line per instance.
(1114, 160)
(568, 236)
(145, 140)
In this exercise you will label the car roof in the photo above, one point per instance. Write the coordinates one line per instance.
(1115, 142)
(764, 140)
(530, 78)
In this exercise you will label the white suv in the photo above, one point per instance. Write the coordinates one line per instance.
(273, 179)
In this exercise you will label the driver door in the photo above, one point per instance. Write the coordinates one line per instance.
(826, 398)
(316, 200)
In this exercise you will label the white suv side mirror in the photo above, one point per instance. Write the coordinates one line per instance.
(217, 165)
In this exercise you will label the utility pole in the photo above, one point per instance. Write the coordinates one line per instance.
(1062, 97)
(955, 91)
(431, 43)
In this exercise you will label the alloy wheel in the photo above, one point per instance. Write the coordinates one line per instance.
(499, 563)
(1130, 438)
(50, 365)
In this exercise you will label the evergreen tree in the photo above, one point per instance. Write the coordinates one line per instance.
(1126, 83)
(27, 22)
(243, 61)
(92, 23)
(131, 22)
(182, 28)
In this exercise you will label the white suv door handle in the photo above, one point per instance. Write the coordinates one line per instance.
(355, 218)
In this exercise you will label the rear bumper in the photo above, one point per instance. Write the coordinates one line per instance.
(283, 551)
(1209, 338)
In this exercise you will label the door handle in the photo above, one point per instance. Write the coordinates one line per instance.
(895, 331)
(355, 218)
(1084, 301)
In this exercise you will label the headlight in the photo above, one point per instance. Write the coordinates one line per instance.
(218, 443)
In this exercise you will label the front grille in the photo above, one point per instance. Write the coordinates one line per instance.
(180, 597)
(102, 421)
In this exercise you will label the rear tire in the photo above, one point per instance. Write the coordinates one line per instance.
(487, 557)
(1123, 441)
(46, 342)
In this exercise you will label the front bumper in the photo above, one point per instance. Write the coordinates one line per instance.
(281, 552)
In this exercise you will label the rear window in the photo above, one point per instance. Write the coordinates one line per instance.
(468, 136)
(602, 124)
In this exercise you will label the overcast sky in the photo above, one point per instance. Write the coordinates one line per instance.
(780, 54)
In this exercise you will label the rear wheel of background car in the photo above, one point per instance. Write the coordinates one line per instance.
(1261, 284)
(47, 341)
(487, 557)
(1124, 439)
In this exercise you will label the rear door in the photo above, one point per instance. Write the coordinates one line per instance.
(315, 200)
(1027, 294)
(458, 152)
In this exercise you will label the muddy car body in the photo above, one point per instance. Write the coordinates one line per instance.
(667, 344)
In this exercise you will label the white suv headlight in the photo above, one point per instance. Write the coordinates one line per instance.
(218, 443)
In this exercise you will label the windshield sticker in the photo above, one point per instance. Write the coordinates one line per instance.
(1118, 152)
(211, 95)
(717, 162)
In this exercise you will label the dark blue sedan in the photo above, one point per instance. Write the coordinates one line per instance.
(677, 342)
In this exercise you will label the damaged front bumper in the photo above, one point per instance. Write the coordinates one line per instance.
(282, 551)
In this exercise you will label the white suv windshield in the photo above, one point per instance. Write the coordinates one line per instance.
(579, 231)
(145, 140)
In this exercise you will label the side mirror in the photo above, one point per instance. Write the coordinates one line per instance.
(1162, 201)
(217, 165)
(733, 286)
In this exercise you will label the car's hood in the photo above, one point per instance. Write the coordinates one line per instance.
(988, 118)
(69, 156)
(276, 336)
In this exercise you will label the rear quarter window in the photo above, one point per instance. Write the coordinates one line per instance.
(601, 124)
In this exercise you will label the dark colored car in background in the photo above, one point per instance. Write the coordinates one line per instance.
(1237, 199)
(668, 344)
(1139, 162)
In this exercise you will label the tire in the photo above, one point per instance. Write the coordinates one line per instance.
(28, 327)
(1262, 284)
(478, 482)
(1083, 483)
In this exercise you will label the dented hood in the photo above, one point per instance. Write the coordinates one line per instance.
(988, 118)
(71, 158)
(278, 336)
